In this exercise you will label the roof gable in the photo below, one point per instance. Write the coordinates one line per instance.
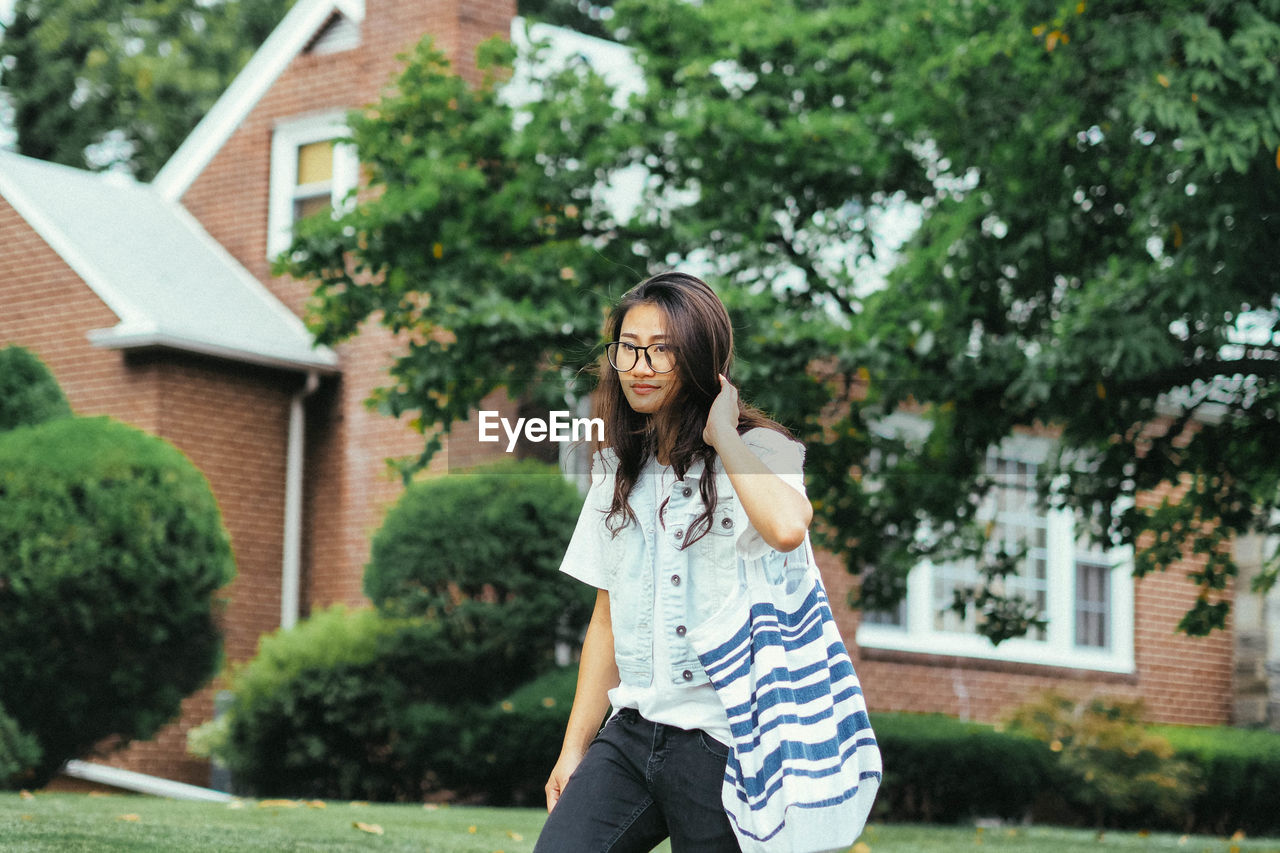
(156, 268)
(303, 26)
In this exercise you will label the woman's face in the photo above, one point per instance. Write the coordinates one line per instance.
(645, 389)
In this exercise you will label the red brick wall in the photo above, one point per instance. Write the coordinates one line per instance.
(47, 308)
(232, 422)
(349, 485)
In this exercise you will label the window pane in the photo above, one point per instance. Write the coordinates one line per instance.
(897, 617)
(304, 207)
(315, 162)
(1093, 606)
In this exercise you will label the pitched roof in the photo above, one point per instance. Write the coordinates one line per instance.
(156, 268)
(300, 27)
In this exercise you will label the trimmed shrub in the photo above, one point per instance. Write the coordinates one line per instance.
(517, 740)
(311, 713)
(479, 554)
(1240, 772)
(406, 700)
(939, 769)
(29, 394)
(19, 753)
(111, 549)
(1111, 768)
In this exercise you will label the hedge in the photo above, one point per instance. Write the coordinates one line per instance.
(940, 769)
(1240, 781)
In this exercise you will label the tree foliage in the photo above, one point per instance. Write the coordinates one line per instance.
(483, 245)
(122, 82)
(1094, 193)
(1098, 256)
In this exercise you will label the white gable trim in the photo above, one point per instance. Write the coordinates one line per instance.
(137, 327)
(131, 318)
(323, 357)
(286, 41)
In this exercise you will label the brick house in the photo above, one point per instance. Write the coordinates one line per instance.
(155, 304)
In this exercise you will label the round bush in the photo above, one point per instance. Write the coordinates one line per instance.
(479, 553)
(28, 392)
(111, 548)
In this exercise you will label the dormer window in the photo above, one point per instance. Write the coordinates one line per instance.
(312, 173)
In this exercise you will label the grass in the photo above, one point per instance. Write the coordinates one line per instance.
(76, 822)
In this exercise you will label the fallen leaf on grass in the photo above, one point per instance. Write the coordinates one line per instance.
(472, 829)
(26, 795)
(317, 804)
(861, 847)
(514, 836)
(371, 828)
(278, 804)
(132, 818)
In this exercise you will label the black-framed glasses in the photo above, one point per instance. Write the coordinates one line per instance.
(624, 356)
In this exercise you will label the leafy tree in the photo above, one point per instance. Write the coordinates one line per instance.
(581, 15)
(28, 392)
(1098, 255)
(484, 245)
(1096, 195)
(111, 550)
(96, 83)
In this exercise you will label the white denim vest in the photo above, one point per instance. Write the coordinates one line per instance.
(692, 584)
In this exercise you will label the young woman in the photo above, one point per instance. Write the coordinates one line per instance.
(690, 483)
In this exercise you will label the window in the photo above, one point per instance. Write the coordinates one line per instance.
(1084, 592)
(311, 173)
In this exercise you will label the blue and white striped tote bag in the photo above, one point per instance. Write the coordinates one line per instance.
(803, 765)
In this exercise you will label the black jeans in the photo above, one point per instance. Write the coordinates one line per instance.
(638, 783)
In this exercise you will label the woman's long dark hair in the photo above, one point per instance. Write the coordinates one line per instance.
(698, 328)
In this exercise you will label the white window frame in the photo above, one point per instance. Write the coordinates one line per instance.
(286, 139)
(1059, 647)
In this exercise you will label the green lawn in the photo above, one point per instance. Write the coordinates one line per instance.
(75, 822)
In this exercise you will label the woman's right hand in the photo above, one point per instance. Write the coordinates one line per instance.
(565, 765)
(597, 675)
